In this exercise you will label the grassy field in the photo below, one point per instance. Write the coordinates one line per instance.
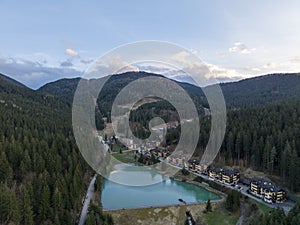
(125, 156)
(221, 217)
(174, 215)
(264, 208)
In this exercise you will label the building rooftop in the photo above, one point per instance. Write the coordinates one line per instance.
(175, 156)
(266, 183)
(157, 149)
(229, 172)
(196, 161)
(217, 170)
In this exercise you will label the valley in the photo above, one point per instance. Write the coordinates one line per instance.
(261, 136)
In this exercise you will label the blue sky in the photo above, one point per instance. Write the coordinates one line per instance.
(42, 41)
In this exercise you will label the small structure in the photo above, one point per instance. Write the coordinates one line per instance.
(266, 190)
(160, 152)
(215, 173)
(229, 176)
(176, 159)
(195, 165)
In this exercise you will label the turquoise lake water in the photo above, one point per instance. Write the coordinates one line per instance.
(165, 192)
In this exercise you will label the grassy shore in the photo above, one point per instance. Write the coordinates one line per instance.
(125, 156)
(263, 208)
(174, 215)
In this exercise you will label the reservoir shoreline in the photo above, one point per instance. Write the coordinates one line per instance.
(196, 184)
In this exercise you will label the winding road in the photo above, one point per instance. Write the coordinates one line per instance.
(240, 221)
(89, 196)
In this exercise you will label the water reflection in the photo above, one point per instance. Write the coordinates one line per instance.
(166, 192)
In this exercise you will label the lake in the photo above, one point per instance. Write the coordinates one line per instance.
(165, 192)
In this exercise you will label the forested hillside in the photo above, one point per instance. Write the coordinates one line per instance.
(41, 170)
(263, 138)
(66, 88)
(263, 122)
(10, 80)
(246, 93)
(262, 90)
(266, 139)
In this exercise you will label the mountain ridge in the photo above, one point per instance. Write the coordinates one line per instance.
(249, 92)
(11, 80)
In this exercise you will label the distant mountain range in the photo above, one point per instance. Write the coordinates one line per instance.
(10, 80)
(249, 92)
(262, 90)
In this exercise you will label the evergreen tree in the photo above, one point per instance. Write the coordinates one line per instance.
(208, 207)
(27, 208)
(232, 203)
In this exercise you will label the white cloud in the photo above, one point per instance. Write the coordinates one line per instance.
(205, 73)
(105, 67)
(71, 52)
(240, 48)
(290, 65)
(86, 61)
(119, 66)
(66, 63)
(270, 65)
(220, 72)
(182, 58)
(34, 74)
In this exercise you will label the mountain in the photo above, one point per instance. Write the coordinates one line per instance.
(251, 92)
(12, 81)
(43, 176)
(41, 169)
(262, 90)
(64, 88)
(184, 78)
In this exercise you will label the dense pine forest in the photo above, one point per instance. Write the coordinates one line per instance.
(43, 177)
(263, 138)
(41, 170)
(278, 217)
(263, 120)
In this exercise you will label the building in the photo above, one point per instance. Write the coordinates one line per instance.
(176, 159)
(274, 194)
(265, 189)
(195, 165)
(160, 152)
(224, 175)
(256, 185)
(230, 176)
(215, 173)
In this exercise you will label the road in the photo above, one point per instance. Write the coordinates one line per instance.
(286, 206)
(240, 221)
(106, 147)
(89, 196)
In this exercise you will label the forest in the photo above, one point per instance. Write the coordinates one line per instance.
(264, 138)
(263, 121)
(42, 174)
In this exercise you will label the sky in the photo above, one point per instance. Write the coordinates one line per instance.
(42, 41)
